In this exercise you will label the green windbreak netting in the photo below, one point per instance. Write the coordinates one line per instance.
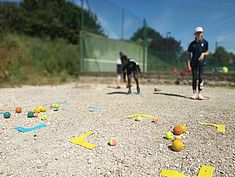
(100, 54)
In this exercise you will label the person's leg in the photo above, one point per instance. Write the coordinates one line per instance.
(128, 72)
(194, 81)
(119, 72)
(124, 75)
(201, 78)
(118, 80)
(137, 82)
(129, 82)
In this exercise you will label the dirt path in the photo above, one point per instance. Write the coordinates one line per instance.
(141, 151)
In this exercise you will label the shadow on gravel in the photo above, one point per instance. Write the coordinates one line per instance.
(112, 93)
(172, 94)
(113, 87)
(82, 86)
(170, 147)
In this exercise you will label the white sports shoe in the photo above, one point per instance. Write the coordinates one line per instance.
(200, 96)
(194, 96)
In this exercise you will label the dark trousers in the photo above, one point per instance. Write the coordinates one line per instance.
(197, 74)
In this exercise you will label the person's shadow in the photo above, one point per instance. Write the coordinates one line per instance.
(113, 93)
(113, 87)
(171, 94)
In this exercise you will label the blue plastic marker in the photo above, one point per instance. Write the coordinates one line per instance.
(94, 109)
(22, 129)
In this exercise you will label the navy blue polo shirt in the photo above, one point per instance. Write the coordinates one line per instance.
(197, 48)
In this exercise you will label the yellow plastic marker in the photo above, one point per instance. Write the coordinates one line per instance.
(141, 115)
(220, 127)
(171, 173)
(206, 171)
(80, 141)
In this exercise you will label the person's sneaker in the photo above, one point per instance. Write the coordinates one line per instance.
(138, 90)
(129, 92)
(200, 96)
(194, 96)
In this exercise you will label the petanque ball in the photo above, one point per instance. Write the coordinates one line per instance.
(113, 142)
(30, 114)
(18, 110)
(7, 115)
(177, 145)
(178, 130)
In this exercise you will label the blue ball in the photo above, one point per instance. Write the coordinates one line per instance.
(30, 114)
(7, 115)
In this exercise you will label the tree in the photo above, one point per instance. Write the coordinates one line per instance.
(9, 17)
(51, 19)
(152, 34)
(185, 56)
(222, 57)
(167, 49)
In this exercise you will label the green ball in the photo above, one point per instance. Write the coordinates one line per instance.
(56, 106)
(7, 115)
(169, 136)
(30, 114)
(225, 69)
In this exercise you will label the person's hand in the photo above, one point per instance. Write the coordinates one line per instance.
(189, 67)
(201, 57)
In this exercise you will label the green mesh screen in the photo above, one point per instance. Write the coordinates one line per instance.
(99, 54)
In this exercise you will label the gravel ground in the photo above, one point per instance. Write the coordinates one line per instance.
(141, 151)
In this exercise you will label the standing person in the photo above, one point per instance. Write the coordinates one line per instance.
(198, 49)
(132, 68)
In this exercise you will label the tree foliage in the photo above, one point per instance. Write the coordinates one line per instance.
(221, 57)
(50, 19)
(167, 49)
(9, 16)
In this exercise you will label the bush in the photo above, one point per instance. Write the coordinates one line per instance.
(31, 60)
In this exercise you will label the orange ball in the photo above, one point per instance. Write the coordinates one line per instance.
(113, 142)
(178, 130)
(18, 110)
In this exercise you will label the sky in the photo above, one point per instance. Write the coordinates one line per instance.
(172, 18)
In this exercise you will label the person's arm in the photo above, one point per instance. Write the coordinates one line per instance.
(190, 49)
(206, 53)
(202, 56)
(189, 66)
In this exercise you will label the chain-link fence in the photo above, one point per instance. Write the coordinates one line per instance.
(168, 49)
